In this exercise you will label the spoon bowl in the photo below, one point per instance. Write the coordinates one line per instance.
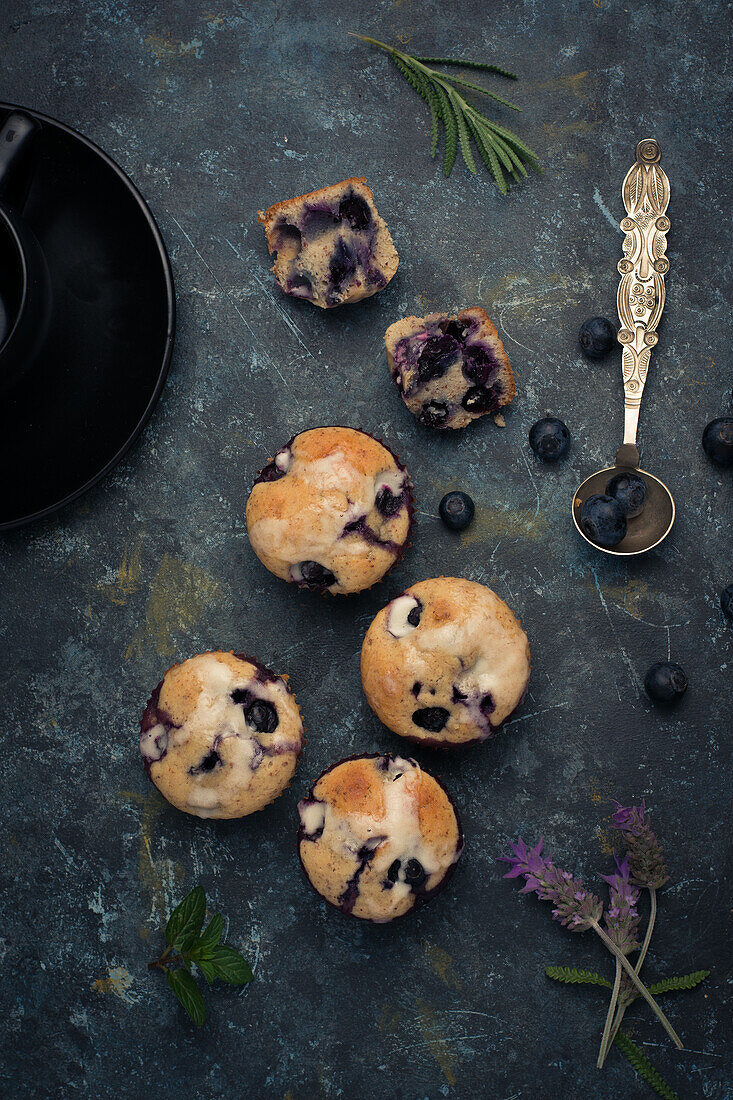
(644, 531)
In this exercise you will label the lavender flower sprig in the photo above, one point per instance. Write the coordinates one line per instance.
(622, 922)
(648, 870)
(575, 907)
(644, 852)
(622, 918)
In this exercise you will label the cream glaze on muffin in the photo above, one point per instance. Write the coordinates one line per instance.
(445, 663)
(221, 735)
(331, 512)
(378, 836)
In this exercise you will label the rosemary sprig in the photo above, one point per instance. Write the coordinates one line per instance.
(503, 153)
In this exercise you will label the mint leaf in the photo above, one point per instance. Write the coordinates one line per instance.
(188, 993)
(212, 933)
(206, 969)
(229, 965)
(186, 918)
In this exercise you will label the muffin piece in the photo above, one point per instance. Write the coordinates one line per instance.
(378, 836)
(450, 369)
(330, 246)
(221, 735)
(445, 663)
(331, 512)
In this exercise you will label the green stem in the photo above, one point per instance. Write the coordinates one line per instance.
(638, 983)
(157, 964)
(639, 961)
(609, 1016)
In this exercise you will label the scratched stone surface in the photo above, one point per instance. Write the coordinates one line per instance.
(217, 108)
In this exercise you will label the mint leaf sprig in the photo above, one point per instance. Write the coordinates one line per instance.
(498, 147)
(187, 944)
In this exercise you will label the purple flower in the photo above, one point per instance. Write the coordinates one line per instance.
(644, 852)
(575, 907)
(622, 918)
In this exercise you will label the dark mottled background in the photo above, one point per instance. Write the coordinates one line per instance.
(217, 108)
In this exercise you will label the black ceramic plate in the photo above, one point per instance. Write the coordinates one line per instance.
(104, 361)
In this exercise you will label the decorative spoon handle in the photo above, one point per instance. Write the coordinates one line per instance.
(641, 292)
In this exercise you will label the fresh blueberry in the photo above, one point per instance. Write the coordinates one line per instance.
(262, 717)
(602, 519)
(665, 682)
(432, 719)
(356, 211)
(387, 502)
(438, 353)
(477, 365)
(480, 399)
(456, 510)
(315, 576)
(394, 870)
(414, 873)
(630, 491)
(413, 617)
(434, 414)
(549, 438)
(597, 336)
(342, 265)
(726, 601)
(717, 441)
(457, 329)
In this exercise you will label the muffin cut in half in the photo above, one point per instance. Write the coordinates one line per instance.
(378, 836)
(332, 511)
(221, 735)
(449, 368)
(446, 663)
(330, 246)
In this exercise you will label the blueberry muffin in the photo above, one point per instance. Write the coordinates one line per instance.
(330, 246)
(221, 735)
(378, 836)
(332, 511)
(449, 369)
(445, 663)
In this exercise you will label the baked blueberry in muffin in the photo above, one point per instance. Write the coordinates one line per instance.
(221, 735)
(330, 246)
(445, 663)
(378, 836)
(449, 368)
(331, 512)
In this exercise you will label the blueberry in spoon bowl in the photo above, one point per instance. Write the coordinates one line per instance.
(602, 520)
(629, 490)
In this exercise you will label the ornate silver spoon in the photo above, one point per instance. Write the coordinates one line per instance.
(640, 301)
